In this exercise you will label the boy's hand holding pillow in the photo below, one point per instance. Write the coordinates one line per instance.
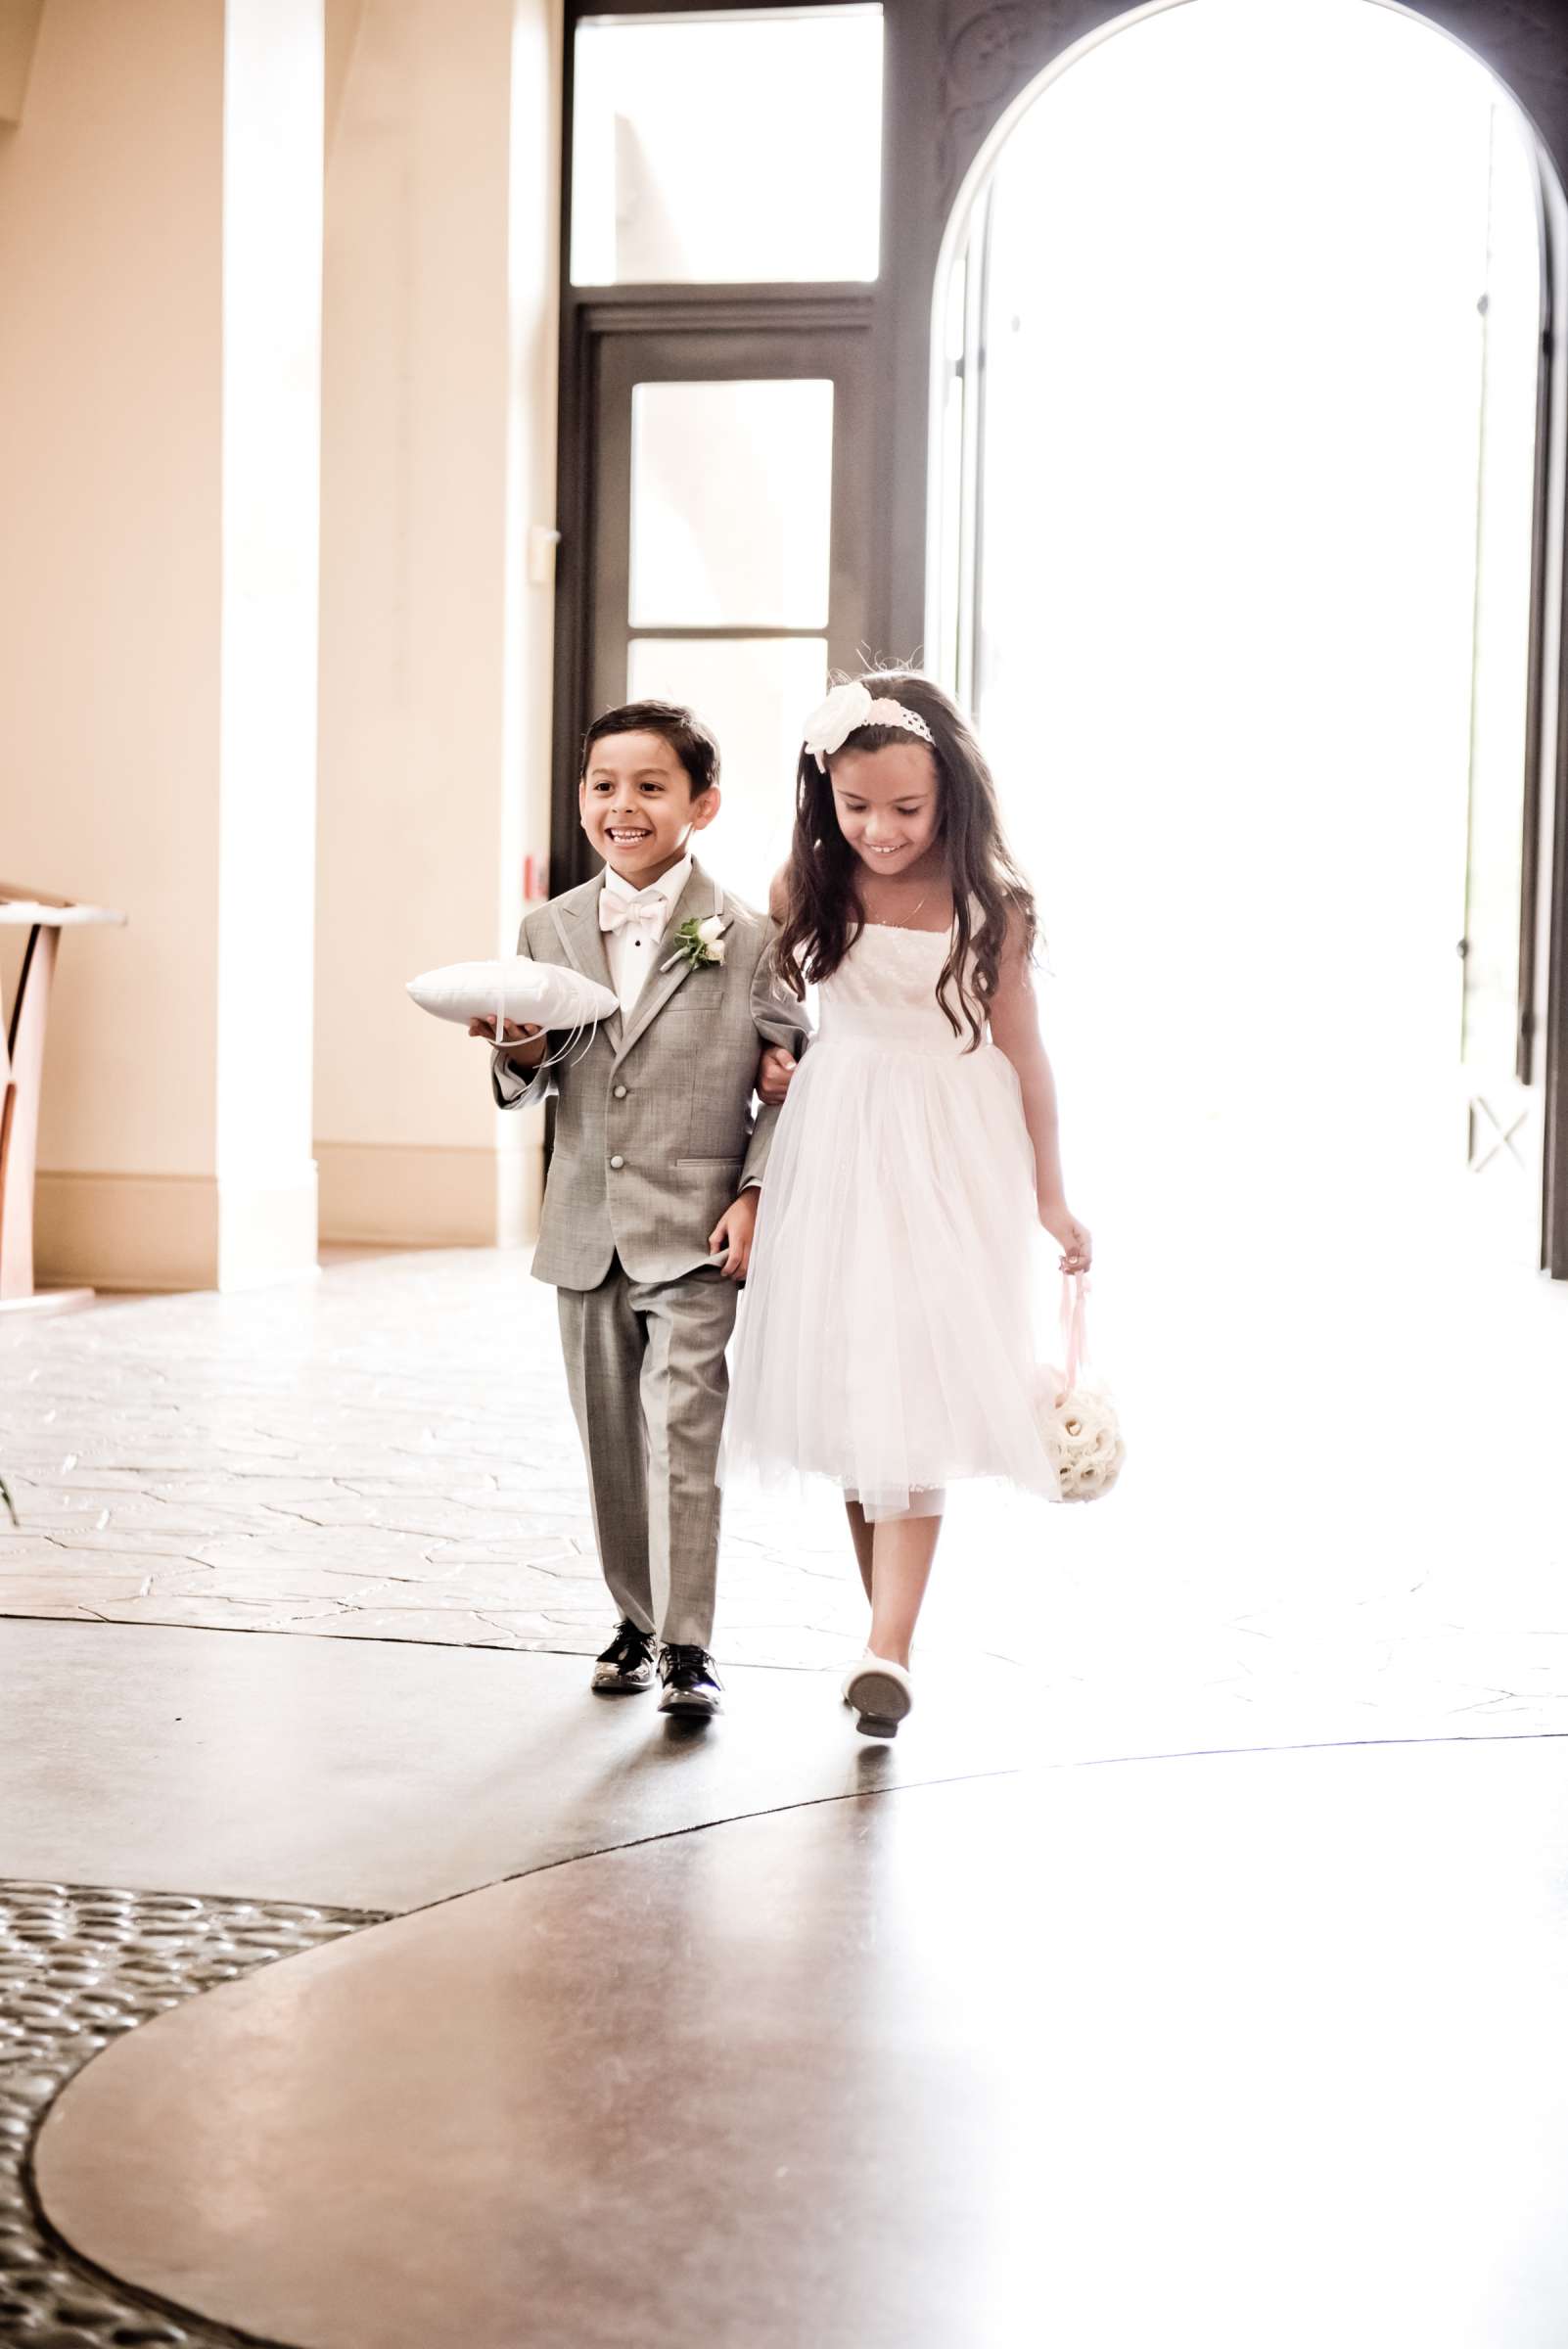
(518, 989)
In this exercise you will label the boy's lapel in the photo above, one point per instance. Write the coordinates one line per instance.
(697, 900)
(576, 925)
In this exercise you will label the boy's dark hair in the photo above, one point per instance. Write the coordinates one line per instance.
(683, 729)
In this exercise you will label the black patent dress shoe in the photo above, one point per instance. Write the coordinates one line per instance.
(691, 1684)
(628, 1663)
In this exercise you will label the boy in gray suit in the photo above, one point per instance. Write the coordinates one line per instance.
(651, 1201)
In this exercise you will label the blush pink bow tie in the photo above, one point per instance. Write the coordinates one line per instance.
(645, 910)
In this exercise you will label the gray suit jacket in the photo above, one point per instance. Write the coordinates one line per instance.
(654, 1134)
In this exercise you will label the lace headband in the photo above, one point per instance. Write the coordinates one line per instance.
(846, 709)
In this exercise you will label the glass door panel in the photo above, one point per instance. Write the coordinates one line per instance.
(754, 693)
(700, 146)
(729, 550)
(731, 504)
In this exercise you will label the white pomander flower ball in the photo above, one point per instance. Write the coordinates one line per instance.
(1082, 1434)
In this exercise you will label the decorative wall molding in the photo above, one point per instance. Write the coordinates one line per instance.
(1525, 42)
(172, 1231)
(128, 1231)
(410, 1195)
(990, 53)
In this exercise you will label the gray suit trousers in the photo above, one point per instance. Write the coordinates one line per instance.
(645, 1366)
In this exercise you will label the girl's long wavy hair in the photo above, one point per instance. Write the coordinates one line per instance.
(823, 915)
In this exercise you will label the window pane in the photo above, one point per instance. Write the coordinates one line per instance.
(727, 149)
(731, 504)
(1510, 342)
(757, 696)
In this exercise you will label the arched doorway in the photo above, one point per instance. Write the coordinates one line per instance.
(1242, 556)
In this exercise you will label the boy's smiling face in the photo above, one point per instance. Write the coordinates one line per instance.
(638, 807)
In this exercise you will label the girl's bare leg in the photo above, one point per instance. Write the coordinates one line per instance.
(903, 1551)
(861, 1536)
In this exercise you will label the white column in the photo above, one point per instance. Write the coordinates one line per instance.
(271, 550)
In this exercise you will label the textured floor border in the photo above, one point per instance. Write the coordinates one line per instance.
(80, 1964)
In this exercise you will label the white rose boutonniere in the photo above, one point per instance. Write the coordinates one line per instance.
(700, 943)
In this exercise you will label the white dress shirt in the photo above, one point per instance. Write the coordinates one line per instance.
(632, 952)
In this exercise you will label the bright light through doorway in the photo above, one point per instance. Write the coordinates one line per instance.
(1230, 661)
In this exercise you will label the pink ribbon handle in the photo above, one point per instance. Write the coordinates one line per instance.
(1075, 1337)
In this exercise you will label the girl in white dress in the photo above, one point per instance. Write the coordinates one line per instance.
(886, 1339)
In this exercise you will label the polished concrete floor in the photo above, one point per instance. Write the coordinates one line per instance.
(1230, 2049)
(1087, 2012)
(389, 1778)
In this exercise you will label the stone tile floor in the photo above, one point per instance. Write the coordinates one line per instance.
(385, 1454)
(1302, 1547)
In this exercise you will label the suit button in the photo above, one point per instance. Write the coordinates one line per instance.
(617, 1162)
(621, 1092)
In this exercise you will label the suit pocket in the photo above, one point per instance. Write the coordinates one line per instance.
(711, 1166)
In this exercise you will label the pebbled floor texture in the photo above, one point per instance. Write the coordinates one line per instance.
(81, 1965)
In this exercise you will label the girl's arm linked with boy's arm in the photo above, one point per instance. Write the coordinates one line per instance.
(779, 1014)
(780, 1021)
(1015, 1031)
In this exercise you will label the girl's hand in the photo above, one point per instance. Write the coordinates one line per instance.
(1078, 1248)
(773, 1073)
(733, 1234)
(511, 1032)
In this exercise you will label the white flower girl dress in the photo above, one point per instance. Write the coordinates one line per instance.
(886, 1330)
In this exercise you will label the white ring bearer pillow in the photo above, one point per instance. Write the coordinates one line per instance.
(533, 995)
(1077, 1416)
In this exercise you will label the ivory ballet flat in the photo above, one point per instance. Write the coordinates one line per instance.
(881, 1692)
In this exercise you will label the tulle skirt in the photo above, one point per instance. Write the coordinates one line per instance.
(886, 1336)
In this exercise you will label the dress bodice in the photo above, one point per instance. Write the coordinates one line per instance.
(885, 992)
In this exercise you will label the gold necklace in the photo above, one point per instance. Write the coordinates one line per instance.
(915, 908)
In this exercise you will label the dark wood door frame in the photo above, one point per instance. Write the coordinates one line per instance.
(591, 314)
(952, 69)
(734, 331)
(965, 62)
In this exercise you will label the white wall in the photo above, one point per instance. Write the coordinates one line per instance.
(438, 453)
(271, 326)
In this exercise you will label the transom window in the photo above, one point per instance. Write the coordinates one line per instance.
(727, 149)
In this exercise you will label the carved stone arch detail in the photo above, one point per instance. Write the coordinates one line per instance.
(991, 52)
(987, 53)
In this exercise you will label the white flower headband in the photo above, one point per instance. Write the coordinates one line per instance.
(845, 711)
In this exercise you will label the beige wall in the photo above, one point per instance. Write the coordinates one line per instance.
(19, 32)
(438, 454)
(111, 261)
(179, 509)
(156, 617)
